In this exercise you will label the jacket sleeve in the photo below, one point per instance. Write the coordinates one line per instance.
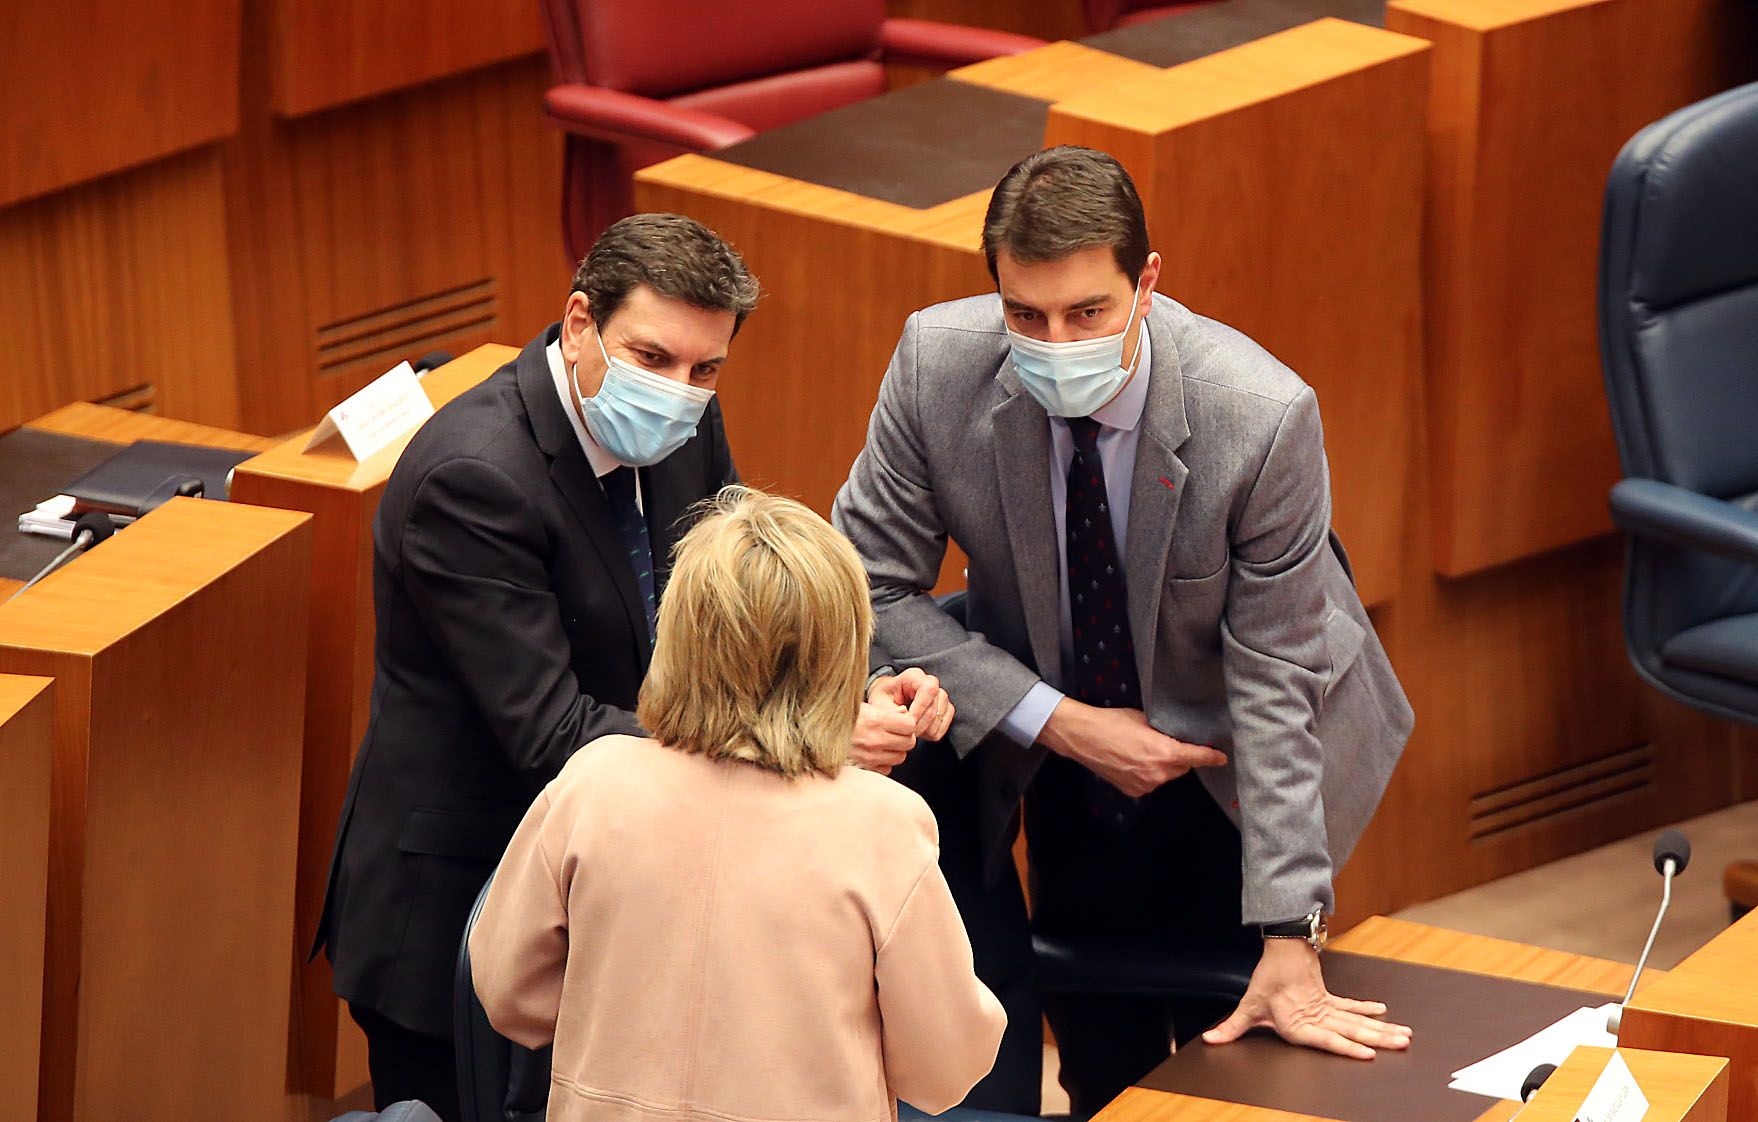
(941, 1026)
(1275, 660)
(889, 510)
(475, 567)
(519, 946)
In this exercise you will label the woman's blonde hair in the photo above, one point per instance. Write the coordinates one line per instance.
(761, 650)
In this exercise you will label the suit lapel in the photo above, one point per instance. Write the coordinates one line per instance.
(1022, 467)
(1156, 489)
(573, 477)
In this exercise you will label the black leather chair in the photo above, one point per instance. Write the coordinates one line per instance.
(498, 1081)
(1678, 331)
(1138, 967)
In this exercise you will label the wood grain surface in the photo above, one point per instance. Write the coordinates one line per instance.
(1708, 1005)
(91, 88)
(331, 52)
(1530, 102)
(342, 497)
(26, 743)
(173, 812)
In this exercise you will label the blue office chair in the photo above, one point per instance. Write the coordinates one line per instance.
(1678, 330)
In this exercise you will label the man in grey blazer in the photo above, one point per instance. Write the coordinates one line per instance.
(1162, 654)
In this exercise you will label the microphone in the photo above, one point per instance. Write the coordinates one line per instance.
(89, 529)
(186, 486)
(1672, 852)
(1534, 1080)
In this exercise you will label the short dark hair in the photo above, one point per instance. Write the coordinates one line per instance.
(1063, 200)
(675, 256)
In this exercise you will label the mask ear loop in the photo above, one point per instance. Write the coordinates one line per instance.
(1136, 357)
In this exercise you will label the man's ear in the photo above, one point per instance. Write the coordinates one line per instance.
(1150, 276)
(576, 321)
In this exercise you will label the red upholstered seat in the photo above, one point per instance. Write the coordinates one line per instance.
(642, 80)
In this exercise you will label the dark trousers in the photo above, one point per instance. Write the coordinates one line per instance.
(1169, 873)
(995, 918)
(406, 1064)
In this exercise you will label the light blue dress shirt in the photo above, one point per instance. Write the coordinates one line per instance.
(1119, 433)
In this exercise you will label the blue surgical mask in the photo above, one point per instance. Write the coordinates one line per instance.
(1075, 378)
(638, 416)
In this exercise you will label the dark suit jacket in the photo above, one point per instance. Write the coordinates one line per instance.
(510, 632)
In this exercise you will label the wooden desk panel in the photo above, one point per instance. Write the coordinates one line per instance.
(1531, 100)
(1314, 250)
(326, 1052)
(118, 284)
(123, 426)
(178, 649)
(1679, 1088)
(26, 712)
(1708, 1005)
(89, 89)
(329, 52)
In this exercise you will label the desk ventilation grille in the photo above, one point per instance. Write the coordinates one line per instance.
(380, 339)
(1564, 792)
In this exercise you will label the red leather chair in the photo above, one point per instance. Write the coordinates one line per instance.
(642, 80)
(1103, 15)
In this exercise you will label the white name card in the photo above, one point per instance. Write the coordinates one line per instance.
(1615, 1096)
(391, 406)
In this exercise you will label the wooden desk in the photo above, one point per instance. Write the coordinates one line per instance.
(1708, 1005)
(1382, 937)
(1531, 100)
(26, 709)
(178, 650)
(1678, 1087)
(326, 1051)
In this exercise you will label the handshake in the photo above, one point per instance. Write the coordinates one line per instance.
(1118, 745)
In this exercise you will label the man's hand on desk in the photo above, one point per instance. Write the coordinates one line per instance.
(1120, 747)
(1287, 993)
(899, 709)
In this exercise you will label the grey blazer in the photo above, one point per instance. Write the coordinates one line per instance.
(1249, 635)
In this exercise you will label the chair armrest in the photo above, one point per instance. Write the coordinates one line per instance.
(924, 42)
(1664, 512)
(606, 114)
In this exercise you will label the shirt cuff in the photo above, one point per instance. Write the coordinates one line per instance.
(1025, 721)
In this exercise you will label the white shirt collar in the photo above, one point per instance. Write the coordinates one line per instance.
(1124, 411)
(603, 463)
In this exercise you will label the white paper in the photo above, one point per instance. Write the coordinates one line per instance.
(1500, 1076)
(389, 406)
(1615, 1096)
(52, 518)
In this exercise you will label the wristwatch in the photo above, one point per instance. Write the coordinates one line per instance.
(1310, 927)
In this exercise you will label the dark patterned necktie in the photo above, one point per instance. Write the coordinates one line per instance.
(619, 488)
(1103, 671)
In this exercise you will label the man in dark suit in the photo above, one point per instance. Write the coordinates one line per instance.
(520, 551)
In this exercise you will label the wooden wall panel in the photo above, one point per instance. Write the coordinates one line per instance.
(26, 711)
(116, 284)
(1531, 101)
(422, 220)
(1314, 250)
(90, 88)
(330, 52)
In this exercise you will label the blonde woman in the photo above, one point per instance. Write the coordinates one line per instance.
(723, 921)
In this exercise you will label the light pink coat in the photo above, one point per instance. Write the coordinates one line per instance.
(708, 940)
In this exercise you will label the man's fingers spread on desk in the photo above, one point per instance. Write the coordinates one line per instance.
(1329, 1040)
(1366, 1030)
(1365, 1008)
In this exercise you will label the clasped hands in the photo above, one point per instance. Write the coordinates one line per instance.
(1287, 991)
(899, 710)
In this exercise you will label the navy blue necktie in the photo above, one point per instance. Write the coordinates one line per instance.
(619, 488)
(1103, 671)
